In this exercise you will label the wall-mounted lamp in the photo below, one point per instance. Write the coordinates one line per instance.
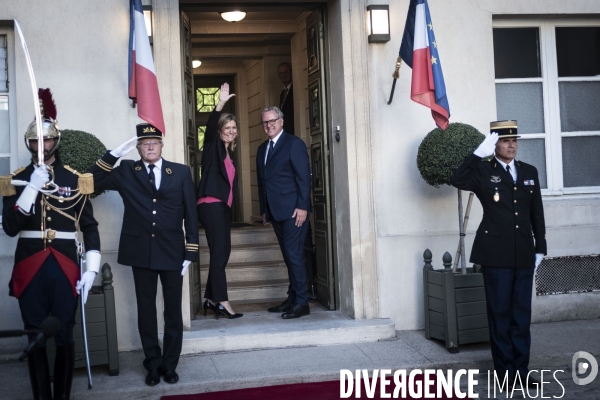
(233, 16)
(196, 63)
(148, 20)
(378, 23)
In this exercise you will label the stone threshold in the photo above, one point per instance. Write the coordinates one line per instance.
(260, 329)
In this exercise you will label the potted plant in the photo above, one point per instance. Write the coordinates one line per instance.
(455, 308)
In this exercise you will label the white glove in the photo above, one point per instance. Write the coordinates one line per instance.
(538, 260)
(92, 261)
(488, 146)
(38, 179)
(125, 148)
(185, 266)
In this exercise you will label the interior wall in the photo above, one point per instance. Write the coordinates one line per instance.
(255, 97)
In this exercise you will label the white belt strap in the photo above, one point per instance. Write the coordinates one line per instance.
(48, 234)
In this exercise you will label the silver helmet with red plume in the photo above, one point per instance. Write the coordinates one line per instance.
(49, 125)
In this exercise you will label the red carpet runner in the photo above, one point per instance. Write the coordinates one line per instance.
(300, 391)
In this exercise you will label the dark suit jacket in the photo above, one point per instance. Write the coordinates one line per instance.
(513, 228)
(215, 181)
(285, 183)
(287, 108)
(152, 235)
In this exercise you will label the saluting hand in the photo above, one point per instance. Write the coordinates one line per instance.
(300, 216)
(125, 148)
(488, 146)
(224, 96)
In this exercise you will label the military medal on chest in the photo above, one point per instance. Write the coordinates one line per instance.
(496, 179)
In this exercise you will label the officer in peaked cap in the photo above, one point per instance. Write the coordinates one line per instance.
(159, 198)
(510, 242)
(46, 277)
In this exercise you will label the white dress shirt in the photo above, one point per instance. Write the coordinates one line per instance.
(513, 169)
(157, 173)
(274, 140)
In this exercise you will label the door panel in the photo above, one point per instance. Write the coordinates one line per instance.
(319, 149)
(190, 141)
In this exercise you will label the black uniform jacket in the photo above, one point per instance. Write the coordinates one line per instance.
(512, 230)
(285, 182)
(14, 221)
(215, 181)
(152, 234)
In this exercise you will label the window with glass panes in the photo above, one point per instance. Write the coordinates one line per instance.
(548, 79)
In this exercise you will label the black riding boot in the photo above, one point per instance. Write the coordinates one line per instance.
(63, 371)
(39, 374)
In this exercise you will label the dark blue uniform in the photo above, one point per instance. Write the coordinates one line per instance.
(45, 271)
(154, 243)
(511, 232)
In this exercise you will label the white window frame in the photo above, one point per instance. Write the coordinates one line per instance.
(12, 100)
(550, 80)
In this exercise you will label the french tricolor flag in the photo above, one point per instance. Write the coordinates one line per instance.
(419, 51)
(143, 86)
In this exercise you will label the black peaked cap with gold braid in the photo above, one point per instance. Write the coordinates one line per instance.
(145, 131)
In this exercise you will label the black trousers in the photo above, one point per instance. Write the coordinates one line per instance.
(216, 220)
(146, 281)
(291, 241)
(50, 293)
(508, 294)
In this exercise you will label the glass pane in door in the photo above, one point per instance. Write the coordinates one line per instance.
(516, 53)
(533, 151)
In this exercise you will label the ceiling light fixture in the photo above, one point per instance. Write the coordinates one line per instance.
(233, 16)
(196, 63)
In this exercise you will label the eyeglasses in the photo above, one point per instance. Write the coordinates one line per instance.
(148, 144)
(270, 122)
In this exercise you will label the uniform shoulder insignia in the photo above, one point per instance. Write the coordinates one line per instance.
(85, 181)
(6, 187)
(68, 168)
(18, 170)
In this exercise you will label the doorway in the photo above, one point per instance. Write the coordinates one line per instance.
(247, 55)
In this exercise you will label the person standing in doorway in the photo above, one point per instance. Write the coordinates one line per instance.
(159, 203)
(286, 105)
(283, 176)
(286, 98)
(509, 245)
(215, 198)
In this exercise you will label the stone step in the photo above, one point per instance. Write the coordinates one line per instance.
(246, 253)
(264, 330)
(250, 235)
(251, 271)
(256, 291)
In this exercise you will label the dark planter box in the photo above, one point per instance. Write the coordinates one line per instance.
(101, 325)
(455, 306)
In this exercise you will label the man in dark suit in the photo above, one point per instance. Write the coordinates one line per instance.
(159, 198)
(283, 174)
(509, 245)
(286, 98)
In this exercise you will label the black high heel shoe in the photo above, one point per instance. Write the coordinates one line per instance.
(223, 311)
(209, 306)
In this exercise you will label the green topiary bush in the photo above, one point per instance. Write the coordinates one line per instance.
(80, 150)
(441, 152)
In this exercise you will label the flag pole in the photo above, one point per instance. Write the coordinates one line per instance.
(395, 75)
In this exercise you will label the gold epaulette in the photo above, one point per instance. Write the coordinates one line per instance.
(7, 188)
(85, 181)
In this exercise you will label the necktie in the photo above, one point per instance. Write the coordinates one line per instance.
(508, 170)
(152, 177)
(270, 153)
(283, 97)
